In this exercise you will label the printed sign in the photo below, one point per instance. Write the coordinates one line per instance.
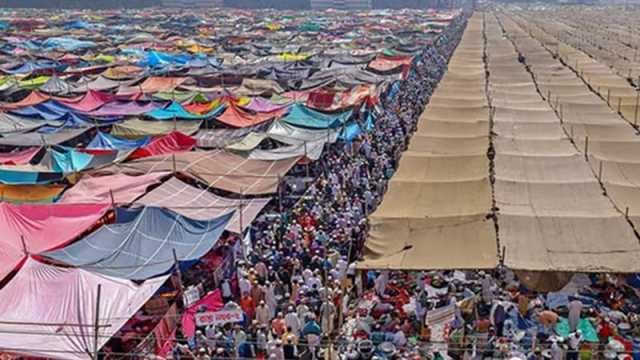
(218, 317)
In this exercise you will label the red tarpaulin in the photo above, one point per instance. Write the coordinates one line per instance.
(237, 117)
(212, 301)
(32, 229)
(168, 144)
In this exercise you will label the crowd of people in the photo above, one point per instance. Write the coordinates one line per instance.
(302, 298)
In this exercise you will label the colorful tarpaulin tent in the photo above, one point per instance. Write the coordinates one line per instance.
(19, 157)
(119, 188)
(176, 111)
(106, 141)
(50, 312)
(92, 100)
(33, 194)
(201, 204)
(238, 117)
(219, 169)
(303, 116)
(168, 144)
(136, 128)
(36, 228)
(141, 244)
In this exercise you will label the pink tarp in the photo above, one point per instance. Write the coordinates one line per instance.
(259, 104)
(19, 157)
(167, 144)
(121, 108)
(125, 188)
(49, 312)
(212, 301)
(92, 100)
(42, 227)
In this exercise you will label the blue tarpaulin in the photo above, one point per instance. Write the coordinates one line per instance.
(68, 44)
(160, 59)
(70, 161)
(175, 110)
(25, 177)
(106, 141)
(350, 131)
(141, 243)
(301, 115)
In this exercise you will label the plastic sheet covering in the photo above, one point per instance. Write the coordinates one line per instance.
(141, 243)
(136, 128)
(119, 188)
(34, 194)
(219, 169)
(200, 204)
(106, 141)
(62, 327)
(36, 228)
(168, 144)
(300, 115)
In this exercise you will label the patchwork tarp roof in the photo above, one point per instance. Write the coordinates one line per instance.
(48, 311)
(220, 138)
(200, 204)
(120, 188)
(177, 111)
(31, 229)
(217, 168)
(141, 243)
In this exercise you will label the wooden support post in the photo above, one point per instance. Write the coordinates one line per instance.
(609, 96)
(24, 246)
(586, 148)
(96, 328)
(178, 272)
(635, 113)
(113, 205)
(626, 212)
(619, 105)
(173, 163)
(600, 172)
(279, 193)
(571, 132)
(561, 115)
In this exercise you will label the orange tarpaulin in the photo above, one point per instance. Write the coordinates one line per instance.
(29, 193)
(238, 117)
(34, 98)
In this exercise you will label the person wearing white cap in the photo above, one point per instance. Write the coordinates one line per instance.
(556, 349)
(293, 321)
(381, 282)
(574, 339)
(263, 315)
